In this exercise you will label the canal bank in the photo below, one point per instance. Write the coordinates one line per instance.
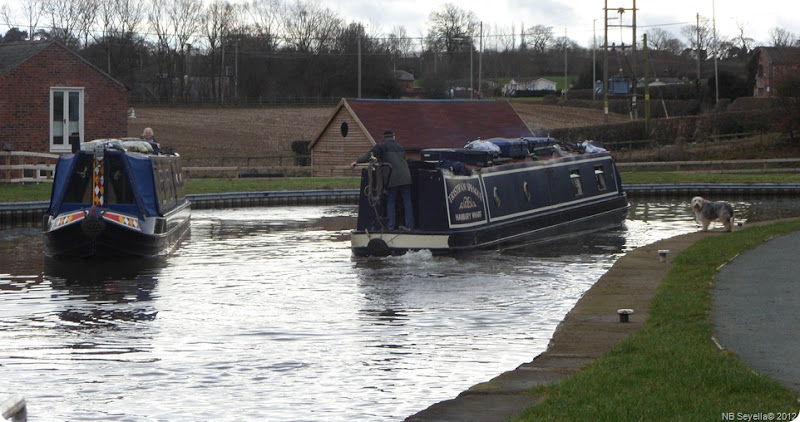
(594, 326)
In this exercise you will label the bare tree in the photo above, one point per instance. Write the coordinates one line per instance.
(661, 40)
(742, 41)
(781, 37)
(500, 39)
(32, 11)
(217, 25)
(539, 38)
(70, 20)
(449, 27)
(698, 37)
(267, 18)
(399, 43)
(310, 27)
(130, 14)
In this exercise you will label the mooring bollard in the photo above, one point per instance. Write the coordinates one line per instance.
(624, 314)
(14, 408)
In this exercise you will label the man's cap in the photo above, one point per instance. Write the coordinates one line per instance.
(388, 134)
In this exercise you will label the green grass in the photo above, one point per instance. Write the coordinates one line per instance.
(41, 191)
(676, 177)
(272, 184)
(671, 369)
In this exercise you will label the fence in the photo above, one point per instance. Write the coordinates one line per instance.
(21, 166)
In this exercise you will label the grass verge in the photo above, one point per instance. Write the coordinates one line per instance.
(41, 191)
(671, 369)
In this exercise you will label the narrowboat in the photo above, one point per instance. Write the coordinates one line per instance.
(115, 197)
(506, 192)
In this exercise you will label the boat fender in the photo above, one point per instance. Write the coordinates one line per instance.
(377, 247)
(92, 226)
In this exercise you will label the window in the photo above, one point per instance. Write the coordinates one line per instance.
(575, 178)
(66, 118)
(344, 129)
(600, 177)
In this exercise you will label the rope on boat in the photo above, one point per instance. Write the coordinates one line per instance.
(376, 186)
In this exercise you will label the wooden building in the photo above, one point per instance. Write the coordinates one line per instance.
(52, 96)
(774, 63)
(356, 125)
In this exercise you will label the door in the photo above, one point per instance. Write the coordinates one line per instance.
(66, 118)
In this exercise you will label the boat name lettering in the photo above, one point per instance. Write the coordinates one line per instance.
(462, 187)
(468, 216)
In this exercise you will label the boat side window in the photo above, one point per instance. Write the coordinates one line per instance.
(575, 178)
(117, 185)
(177, 179)
(600, 177)
(80, 183)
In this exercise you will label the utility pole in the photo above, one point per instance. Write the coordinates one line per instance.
(697, 81)
(605, 62)
(716, 51)
(566, 78)
(646, 86)
(480, 62)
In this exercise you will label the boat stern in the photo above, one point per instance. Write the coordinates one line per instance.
(365, 243)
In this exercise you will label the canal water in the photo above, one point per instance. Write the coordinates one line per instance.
(262, 314)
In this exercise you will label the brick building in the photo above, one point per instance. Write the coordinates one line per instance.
(51, 96)
(356, 125)
(774, 63)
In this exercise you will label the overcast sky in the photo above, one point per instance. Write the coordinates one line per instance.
(577, 17)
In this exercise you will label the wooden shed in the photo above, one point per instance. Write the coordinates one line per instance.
(356, 125)
(52, 96)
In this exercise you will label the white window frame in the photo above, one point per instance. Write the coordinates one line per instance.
(66, 147)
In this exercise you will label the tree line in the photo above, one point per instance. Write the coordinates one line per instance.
(272, 50)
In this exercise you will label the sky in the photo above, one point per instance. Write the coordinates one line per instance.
(580, 19)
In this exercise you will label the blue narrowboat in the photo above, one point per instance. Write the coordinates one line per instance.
(480, 198)
(114, 197)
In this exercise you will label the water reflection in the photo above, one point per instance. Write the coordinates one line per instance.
(104, 292)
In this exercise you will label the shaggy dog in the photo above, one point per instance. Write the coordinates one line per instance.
(706, 211)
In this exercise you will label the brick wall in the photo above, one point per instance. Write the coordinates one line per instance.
(25, 99)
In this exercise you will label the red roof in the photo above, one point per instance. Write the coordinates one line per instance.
(419, 124)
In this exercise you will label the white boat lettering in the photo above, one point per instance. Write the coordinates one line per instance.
(463, 187)
(467, 203)
(468, 216)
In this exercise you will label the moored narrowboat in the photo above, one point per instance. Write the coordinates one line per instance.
(114, 197)
(492, 196)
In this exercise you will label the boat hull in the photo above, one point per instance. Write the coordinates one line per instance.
(99, 236)
(534, 229)
(516, 203)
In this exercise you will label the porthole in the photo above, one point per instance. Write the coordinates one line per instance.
(344, 129)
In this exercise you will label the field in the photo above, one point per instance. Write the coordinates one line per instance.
(230, 136)
(258, 132)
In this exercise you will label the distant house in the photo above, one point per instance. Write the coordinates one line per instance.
(51, 97)
(356, 125)
(774, 63)
(405, 80)
(510, 89)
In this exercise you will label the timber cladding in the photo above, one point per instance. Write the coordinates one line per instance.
(337, 148)
(28, 72)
